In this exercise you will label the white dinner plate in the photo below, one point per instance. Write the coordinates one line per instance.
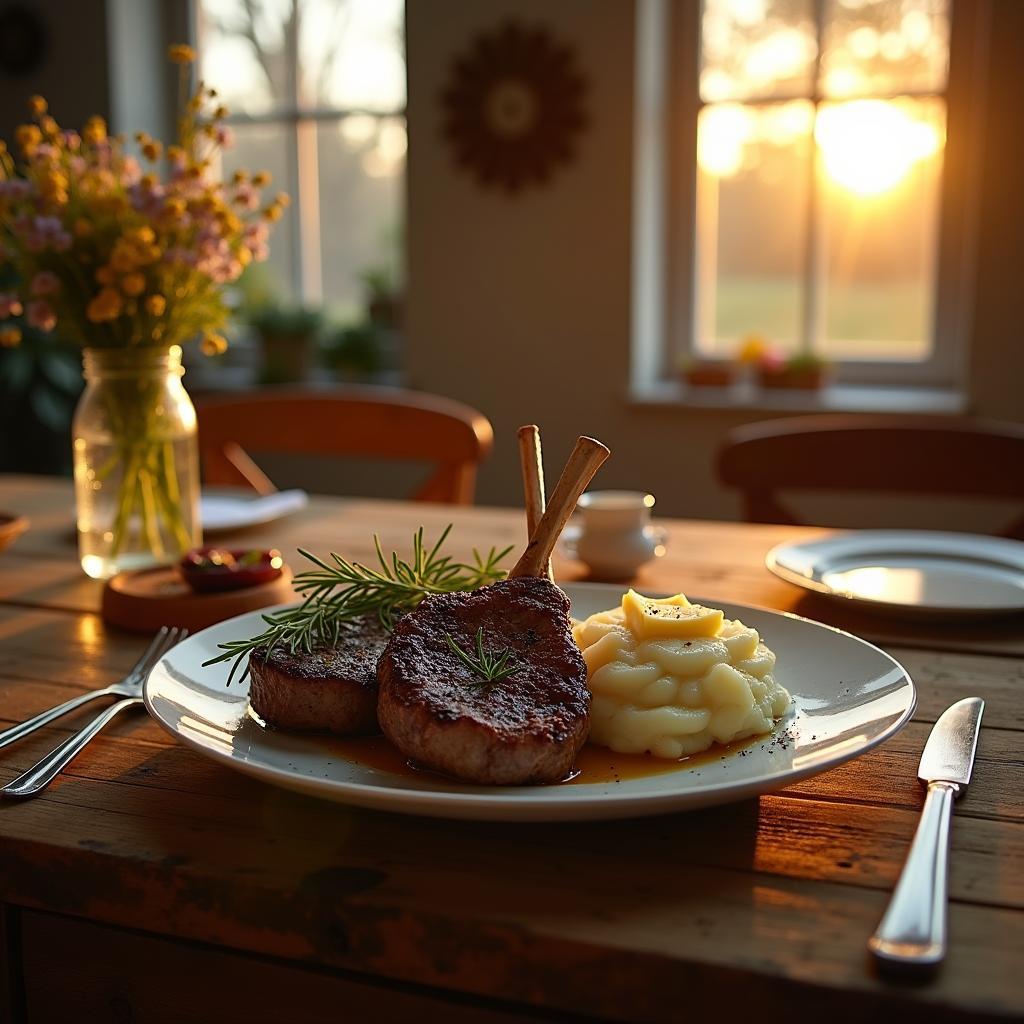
(918, 572)
(223, 512)
(848, 696)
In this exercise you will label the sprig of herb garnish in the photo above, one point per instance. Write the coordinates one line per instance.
(493, 667)
(338, 591)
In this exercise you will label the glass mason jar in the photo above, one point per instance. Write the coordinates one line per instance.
(136, 461)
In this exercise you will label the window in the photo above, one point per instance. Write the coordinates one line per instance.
(316, 90)
(814, 204)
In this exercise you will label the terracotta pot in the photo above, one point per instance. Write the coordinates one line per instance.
(809, 379)
(710, 375)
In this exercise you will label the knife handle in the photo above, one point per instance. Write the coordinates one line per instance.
(912, 934)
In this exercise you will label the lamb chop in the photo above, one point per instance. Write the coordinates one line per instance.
(524, 727)
(333, 689)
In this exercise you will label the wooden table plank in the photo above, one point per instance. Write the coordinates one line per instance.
(357, 907)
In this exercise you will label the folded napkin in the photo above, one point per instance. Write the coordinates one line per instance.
(225, 512)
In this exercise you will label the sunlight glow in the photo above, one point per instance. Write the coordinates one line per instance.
(869, 146)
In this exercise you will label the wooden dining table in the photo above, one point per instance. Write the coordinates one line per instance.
(148, 883)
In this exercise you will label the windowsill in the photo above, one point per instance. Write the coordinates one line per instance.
(833, 398)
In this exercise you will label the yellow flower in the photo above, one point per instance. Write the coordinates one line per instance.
(106, 275)
(261, 179)
(37, 106)
(151, 149)
(752, 348)
(214, 344)
(82, 228)
(244, 255)
(49, 126)
(239, 178)
(221, 112)
(175, 154)
(10, 337)
(273, 212)
(133, 284)
(95, 130)
(29, 137)
(105, 306)
(155, 305)
(180, 53)
(283, 199)
(175, 207)
(144, 234)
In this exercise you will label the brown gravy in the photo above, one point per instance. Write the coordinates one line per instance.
(594, 765)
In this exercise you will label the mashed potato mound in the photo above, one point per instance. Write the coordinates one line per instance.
(671, 677)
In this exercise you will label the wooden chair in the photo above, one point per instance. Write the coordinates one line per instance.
(931, 456)
(383, 423)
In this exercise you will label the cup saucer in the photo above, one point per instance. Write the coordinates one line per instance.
(568, 546)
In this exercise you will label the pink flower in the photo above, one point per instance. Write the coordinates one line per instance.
(246, 197)
(41, 315)
(45, 283)
(43, 232)
(131, 171)
(224, 136)
(10, 305)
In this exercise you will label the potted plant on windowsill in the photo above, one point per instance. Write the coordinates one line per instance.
(708, 373)
(287, 337)
(804, 371)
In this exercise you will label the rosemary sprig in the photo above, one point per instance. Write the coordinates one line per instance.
(493, 667)
(338, 591)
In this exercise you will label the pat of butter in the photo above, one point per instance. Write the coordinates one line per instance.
(649, 618)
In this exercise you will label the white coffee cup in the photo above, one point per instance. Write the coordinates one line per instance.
(615, 536)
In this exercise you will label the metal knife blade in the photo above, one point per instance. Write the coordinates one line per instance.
(949, 752)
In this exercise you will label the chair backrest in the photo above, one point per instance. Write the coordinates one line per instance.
(382, 423)
(938, 456)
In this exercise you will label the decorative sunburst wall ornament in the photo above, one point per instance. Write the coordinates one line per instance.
(513, 107)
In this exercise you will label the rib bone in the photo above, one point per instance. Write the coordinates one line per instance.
(584, 462)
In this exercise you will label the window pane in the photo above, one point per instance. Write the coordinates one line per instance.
(352, 54)
(752, 200)
(757, 48)
(362, 167)
(243, 52)
(258, 148)
(880, 169)
(876, 47)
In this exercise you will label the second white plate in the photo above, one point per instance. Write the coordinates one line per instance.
(918, 572)
(848, 696)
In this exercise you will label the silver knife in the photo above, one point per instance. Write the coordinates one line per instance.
(912, 934)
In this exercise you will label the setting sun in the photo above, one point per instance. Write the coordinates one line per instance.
(868, 146)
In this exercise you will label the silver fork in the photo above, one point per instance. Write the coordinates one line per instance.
(39, 776)
(130, 686)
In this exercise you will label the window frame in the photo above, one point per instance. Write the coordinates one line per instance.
(300, 124)
(680, 36)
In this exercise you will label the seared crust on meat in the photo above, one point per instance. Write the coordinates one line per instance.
(332, 689)
(525, 728)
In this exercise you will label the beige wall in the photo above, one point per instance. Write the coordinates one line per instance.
(522, 306)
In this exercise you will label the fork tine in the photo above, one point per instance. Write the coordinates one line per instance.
(172, 636)
(165, 639)
(140, 665)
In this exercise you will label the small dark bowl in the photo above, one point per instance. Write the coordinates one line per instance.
(212, 570)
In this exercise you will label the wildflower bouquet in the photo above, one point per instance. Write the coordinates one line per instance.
(127, 258)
